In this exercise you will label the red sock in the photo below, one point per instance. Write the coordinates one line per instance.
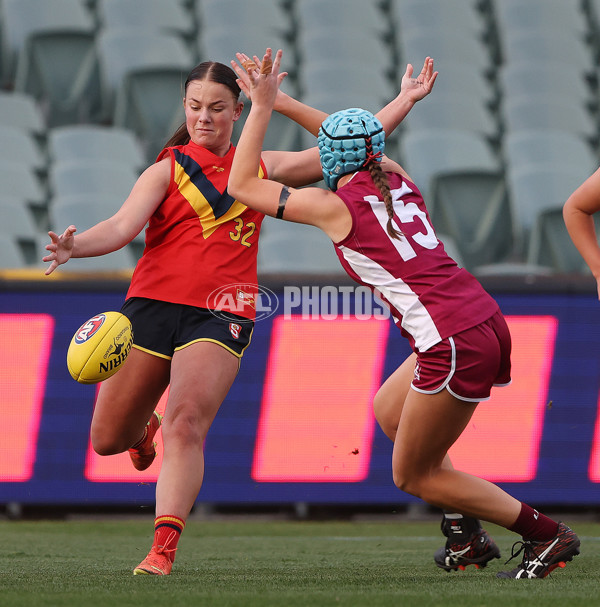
(167, 531)
(532, 525)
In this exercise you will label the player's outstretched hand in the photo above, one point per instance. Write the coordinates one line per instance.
(264, 78)
(60, 247)
(419, 87)
(245, 66)
(242, 67)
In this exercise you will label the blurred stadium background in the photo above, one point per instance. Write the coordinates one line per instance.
(90, 91)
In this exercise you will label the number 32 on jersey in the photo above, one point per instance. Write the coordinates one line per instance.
(242, 232)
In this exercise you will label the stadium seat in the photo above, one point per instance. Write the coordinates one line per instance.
(287, 248)
(453, 111)
(593, 14)
(324, 46)
(459, 15)
(83, 211)
(21, 111)
(172, 16)
(267, 16)
(143, 74)
(463, 17)
(84, 216)
(544, 146)
(330, 100)
(222, 43)
(85, 177)
(446, 48)
(337, 28)
(20, 181)
(546, 45)
(12, 257)
(317, 46)
(317, 76)
(427, 154)
(512, 268)
(538, 188)
(224, 30)
(95, 142)
(18, 224)
(520, 15)
(550, 244)
(533, 111)
(451, 247)
(20, 18)
(60, 69)
(21, 147)
(452, 81)
(555, 80)
(344, 14)
(472, 207)
(282, 134)
(99, 206)
(52, 45)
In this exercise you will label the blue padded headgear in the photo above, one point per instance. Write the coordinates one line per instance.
(347, 141)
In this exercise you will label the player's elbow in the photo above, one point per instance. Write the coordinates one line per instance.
(235, 188)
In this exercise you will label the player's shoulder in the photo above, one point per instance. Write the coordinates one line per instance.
(157, 174)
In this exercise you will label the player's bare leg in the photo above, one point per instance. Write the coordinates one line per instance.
(127, 400)
(389, 400)
(429, 426)
(467, 542)
(200, 379)
(201, 375)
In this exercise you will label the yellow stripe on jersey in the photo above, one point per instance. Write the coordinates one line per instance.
(212, 207)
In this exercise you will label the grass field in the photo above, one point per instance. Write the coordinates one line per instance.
(262, 563)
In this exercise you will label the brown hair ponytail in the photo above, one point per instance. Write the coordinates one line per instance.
(383, 185)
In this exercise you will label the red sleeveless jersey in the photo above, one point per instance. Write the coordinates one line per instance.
(430, 297)
(200, 240)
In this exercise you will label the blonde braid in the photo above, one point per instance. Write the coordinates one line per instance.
(383, 185)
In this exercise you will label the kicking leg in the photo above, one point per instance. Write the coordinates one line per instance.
(126, 402)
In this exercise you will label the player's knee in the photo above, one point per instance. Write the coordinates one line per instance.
(185, 426)
(407, 481)
(383, 412)
(105, 444)
(378, 406)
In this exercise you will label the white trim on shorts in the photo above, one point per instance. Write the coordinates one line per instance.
(447, 380)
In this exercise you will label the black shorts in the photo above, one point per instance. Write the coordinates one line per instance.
(161, 328)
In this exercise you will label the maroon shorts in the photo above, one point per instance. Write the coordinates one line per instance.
(467, 364)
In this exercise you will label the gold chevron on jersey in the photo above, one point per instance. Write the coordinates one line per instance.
(212, 206)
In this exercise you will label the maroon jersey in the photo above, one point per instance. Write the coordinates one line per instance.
(430, 297)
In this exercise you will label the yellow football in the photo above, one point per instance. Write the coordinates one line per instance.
(99, 347)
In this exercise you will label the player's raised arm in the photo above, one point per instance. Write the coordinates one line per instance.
(119, 229)
(313, 206)
(306, 116)
(578, 214)
(411, 91)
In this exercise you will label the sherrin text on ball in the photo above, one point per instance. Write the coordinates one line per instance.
(99, 347)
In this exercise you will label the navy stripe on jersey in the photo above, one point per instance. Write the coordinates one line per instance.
(219, 203)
